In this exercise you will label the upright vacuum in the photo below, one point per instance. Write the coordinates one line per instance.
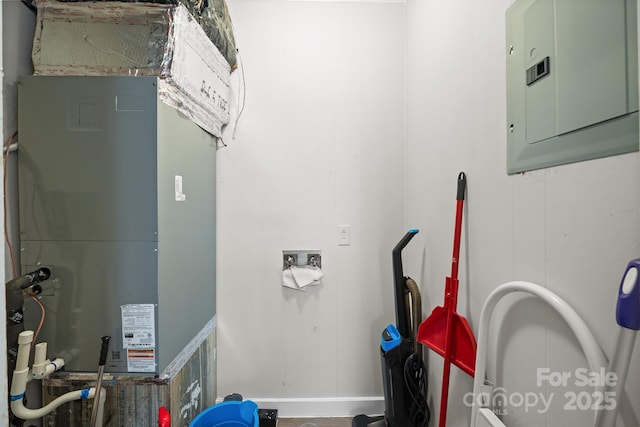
(403, 369)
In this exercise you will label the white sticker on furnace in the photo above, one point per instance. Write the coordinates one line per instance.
(141, 360)
(138, 326)
(180, 196)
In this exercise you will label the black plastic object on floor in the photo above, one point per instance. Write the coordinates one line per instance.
(364, 420)
(233, 397)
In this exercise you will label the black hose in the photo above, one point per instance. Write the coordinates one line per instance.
(415, 371)
(416, 383)
(414, 302)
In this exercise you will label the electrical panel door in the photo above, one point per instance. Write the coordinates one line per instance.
(572, 81)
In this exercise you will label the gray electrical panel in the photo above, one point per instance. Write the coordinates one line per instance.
(572, 81)
(117, 197)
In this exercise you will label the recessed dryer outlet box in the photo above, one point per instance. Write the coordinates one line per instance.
(268, 417)
(572, 81)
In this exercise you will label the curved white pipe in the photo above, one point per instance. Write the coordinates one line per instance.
(21, 376)
(21, 411)
(590, 346)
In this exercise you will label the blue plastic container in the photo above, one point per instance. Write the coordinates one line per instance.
(228, 414)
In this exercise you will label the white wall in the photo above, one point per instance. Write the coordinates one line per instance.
(320, 143)
(571, 228)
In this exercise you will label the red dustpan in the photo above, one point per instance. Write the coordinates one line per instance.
(445, 331)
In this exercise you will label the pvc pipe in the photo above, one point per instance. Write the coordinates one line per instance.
(40, 362)
(21, 411)
(591, 348)
(21, 376)
(21, 372)
(40, 354)
(48, 368)
(24, 342)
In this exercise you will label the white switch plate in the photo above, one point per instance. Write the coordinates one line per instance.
(344, 235)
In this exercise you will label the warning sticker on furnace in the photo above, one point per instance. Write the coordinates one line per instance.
(138, 326)
(141, 360)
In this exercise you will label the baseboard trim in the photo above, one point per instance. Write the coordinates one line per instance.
(321, 406)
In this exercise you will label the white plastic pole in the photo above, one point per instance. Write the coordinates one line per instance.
(620, 366)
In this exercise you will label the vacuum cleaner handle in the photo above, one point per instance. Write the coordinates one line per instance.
(628, 308)
(401, 244)
(402, 319)
(628, 317)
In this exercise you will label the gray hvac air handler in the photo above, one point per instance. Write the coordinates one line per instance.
(117, 198)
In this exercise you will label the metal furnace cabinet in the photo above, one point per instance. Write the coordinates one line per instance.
(117, 197)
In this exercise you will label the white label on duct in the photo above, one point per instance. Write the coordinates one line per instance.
(138, 326)
(141, 360)
(180, 196)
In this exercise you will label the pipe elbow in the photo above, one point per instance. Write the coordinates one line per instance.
(47, 368)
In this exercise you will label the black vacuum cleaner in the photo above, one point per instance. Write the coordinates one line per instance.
(403, 370)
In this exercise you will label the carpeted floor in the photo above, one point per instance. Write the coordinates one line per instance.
(314, 422)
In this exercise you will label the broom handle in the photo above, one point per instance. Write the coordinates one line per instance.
(462, 184)
(104, 348)
(451, 295)
(442, 422)
(451, 289)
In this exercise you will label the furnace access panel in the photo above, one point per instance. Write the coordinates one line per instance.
(117, 198)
